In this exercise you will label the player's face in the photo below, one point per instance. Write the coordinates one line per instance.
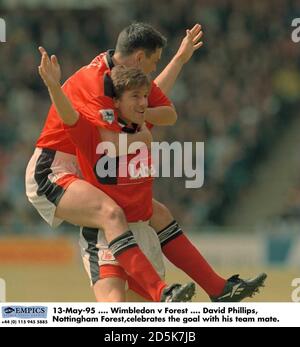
(149, 64)
(133, 104)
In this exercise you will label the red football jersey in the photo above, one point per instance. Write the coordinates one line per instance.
(89, 94)
(129, 185)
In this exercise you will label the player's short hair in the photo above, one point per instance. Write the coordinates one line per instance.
(128, 78)
(139, 36)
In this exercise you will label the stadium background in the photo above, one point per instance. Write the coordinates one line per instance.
(239, 94)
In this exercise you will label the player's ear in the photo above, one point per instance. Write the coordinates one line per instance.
(139, 56)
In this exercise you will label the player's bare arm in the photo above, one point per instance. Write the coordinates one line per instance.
(144, 136)
(50, 73)
(190, 43)
(162, 115)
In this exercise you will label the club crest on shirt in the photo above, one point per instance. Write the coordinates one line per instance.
(108, 115)
(107, 255)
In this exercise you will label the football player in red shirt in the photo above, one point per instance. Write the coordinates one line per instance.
(74, 199)
(131, 191)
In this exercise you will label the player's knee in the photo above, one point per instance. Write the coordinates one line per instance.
(107, 215)
(114, 214)
(110, 290)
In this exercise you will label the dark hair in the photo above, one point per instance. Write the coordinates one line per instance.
(139, 36)
(128, 78)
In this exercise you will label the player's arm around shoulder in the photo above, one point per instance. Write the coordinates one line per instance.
(160, 110)
(161, 115)
(50, 73)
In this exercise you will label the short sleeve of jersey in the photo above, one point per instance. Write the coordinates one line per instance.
(157, 97)
(101, 113)
(87, 92)
(84, 135)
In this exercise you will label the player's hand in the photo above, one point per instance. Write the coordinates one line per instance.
(190, 43)
(49, 69)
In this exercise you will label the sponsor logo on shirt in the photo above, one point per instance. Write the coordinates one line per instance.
(141, 172)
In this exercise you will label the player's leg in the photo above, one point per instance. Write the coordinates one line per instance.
(106, 276)
(84, 204)
(55, 190)
(180, 251)
(113, 289)
(53, 187)
(110, 290)
(118, 287)
(148, 241)
(100, 262)
(132, 296)
(183, 254)
(102, 267)
(126, 253)
(136, 293)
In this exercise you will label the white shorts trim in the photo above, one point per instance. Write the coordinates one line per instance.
(95, 252)
(45, 167)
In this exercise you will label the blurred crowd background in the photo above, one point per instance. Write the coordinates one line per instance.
(239, 93)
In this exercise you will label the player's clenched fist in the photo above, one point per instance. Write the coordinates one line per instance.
(49, 69)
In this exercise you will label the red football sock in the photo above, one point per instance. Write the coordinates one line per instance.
(134, 286)
(183, 254)
(137, 265)
(141, 270)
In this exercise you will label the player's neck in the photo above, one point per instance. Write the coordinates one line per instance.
(124, 121)
(118, 59)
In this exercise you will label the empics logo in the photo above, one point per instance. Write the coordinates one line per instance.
(296, 32)
(24, 312)
(2, 290)
(2, 30)
(8, 310)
